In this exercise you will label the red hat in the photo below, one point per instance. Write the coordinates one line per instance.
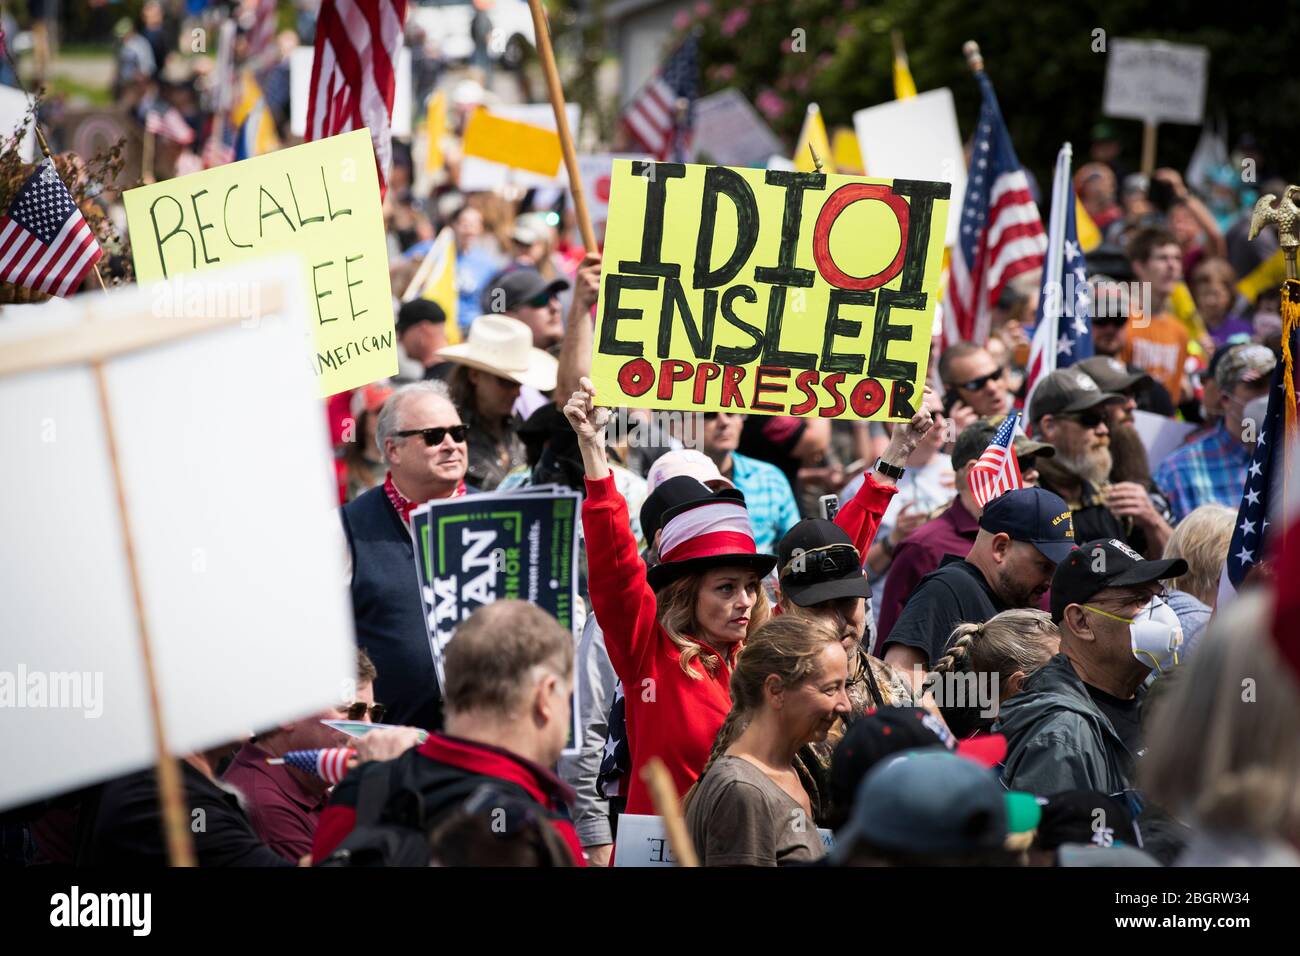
(710, 531)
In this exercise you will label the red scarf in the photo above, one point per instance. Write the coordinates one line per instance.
(403, 505)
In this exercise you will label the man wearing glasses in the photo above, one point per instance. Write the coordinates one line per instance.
(1076, 725)
(1070, 411)
(423, 441)
(285, 804)
(975, 386)
(1212, 469)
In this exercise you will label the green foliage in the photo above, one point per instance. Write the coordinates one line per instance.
(1040, 57)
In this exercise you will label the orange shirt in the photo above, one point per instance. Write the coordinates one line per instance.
(1159, 348)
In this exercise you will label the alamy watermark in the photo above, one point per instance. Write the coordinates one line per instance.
(53, 690)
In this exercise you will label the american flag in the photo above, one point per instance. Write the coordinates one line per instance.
(166, 121)
(330, 763)
(352, 74)
(45, 242)
(1264, 481)
(1001, 233)
(1063, 333)
(997, 470)
(653, 117)
(262, 21)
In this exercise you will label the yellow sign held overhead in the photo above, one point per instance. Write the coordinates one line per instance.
(519, 145)
(319, 199)
(768, 292)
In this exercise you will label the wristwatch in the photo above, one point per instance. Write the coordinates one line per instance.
(885, 468)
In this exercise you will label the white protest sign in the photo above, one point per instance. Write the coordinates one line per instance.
(729, 131)
(300, 91)
(915, 138)
(242, 584)
(1160, 435)
(14, 105)
(1155, 81)
(643, 841)
(478, 174)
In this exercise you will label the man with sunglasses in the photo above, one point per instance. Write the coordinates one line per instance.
(1070, 411)
(423, 441)
(1076, 725)
(285, 804)
(975, 386)
(1109, 339)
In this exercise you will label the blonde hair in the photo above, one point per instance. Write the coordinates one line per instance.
(676, 609)
(789, 647)
(1222, 746)
(1202, 539)
(1012, 641)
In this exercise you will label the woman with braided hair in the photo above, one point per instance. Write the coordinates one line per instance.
(749, 807)
(1000, 653)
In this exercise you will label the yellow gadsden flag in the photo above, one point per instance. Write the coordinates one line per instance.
(435, 128)
(904, 87)
(813, 134)
(1089, 234)
(440, 287)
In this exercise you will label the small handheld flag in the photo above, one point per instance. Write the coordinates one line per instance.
(45, 242)
(331, 764)
(997, 470)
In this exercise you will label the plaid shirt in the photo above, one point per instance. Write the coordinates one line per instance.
(1208, 470)
(771, 504)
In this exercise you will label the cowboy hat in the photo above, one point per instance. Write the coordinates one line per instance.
(504, 346)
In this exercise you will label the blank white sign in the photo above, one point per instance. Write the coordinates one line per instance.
(1155, 81)
(916, 138)
(229, 484)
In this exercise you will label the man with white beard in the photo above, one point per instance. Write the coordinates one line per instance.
(1069, 411)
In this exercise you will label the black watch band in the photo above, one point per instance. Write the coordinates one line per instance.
(885, 468)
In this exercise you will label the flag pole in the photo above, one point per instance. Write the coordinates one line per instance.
(660, 784)
(547, 55)
(974, 59)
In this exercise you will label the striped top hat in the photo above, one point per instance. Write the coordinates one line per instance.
(710, 530)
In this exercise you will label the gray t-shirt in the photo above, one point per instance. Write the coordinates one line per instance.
(740, 817)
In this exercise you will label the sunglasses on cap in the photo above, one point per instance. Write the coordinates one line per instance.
(434, 436)
(821, 564)
(1089, 419)
(358, 709)
(975, 384)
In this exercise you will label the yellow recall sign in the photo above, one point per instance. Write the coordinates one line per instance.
(320, 199)
(769, 292)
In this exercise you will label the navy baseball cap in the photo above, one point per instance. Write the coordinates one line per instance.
(1105, 563)
(1035, 516)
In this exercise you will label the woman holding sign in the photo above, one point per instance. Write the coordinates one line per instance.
(672, 632)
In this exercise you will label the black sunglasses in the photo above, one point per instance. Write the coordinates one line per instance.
(541, 300)
(434, 436)
(821, 564)
(1114, 321)
(975, 384)
(1089, 419)
(357, 709)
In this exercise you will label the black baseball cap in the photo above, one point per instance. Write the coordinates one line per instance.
(817, 561)
(1105, 563)
(416, 311)
(975, 438)
(1065, 391)
(886, 731)
(673, 492)
(1112, 375)
(507, 292)
(1084, 816)
(1035, 516)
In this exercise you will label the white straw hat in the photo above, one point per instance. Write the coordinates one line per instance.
(504, 346)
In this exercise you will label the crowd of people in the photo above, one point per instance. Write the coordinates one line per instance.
(1040, 680)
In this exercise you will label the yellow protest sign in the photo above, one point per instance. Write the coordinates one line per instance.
(319, 199)
(769, 292)
(520, 145)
